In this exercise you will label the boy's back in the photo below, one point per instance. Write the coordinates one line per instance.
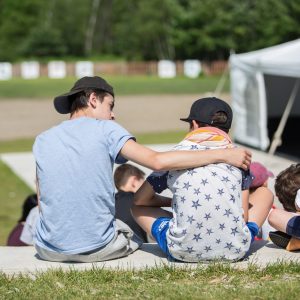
(207, 207)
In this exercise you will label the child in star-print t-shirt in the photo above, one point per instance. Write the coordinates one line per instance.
(210, 219)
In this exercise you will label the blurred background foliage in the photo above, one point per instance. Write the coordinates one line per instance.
(143, 29)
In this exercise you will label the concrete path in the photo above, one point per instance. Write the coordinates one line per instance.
(24, 260)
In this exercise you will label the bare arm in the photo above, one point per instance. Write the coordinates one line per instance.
(176, 160)
(146, 196)
(245, 204)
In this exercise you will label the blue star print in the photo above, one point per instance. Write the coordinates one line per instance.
(207, 216)
(204, 181)
(196, 204)
(190, 219)
(186, 185)
(197, 237)
(197, 191)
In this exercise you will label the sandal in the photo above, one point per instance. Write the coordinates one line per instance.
(280, 238)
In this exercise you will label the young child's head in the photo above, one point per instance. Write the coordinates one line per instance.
(261, 174)
(286, 186)
(128, 178)
(210, 111)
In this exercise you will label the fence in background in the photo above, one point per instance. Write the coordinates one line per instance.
(61, 69)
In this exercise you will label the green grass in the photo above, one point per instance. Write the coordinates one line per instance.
(43, 88)
(13, 191)
(215, 281)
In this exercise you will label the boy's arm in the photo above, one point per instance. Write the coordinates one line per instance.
(146, 196)
(245, 204)
(176, 160)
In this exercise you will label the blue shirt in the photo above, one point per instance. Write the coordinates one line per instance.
(75, 173)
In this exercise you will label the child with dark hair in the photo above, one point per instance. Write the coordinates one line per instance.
(287, 220)
(211, 218)
(14, 237)
(128, 180)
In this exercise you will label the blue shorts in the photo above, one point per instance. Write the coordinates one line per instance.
(161, 225)
(293, 227)
(254, 229)
(159, 230)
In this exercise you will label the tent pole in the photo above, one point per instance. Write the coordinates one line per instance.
(277, 136)
(221, 82)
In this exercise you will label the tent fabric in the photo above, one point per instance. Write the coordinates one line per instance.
(248, 89)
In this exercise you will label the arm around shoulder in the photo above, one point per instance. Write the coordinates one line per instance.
(176, 160)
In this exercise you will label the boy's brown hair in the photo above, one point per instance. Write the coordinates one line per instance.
(123, 172)
(286, 186)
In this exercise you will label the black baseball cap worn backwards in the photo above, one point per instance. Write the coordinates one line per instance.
(202, 110)
(63, 102)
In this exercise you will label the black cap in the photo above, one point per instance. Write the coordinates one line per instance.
(203, 110)
(63, 102)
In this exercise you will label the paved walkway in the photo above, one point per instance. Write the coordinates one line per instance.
(15, 260)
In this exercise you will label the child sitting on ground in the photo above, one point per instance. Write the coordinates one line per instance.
(260, 177)
(209, 220)
(287, 220)
(14, 237)
(128, 180)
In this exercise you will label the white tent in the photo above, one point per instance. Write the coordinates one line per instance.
(264, 84)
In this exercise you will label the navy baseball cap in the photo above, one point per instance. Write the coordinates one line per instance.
(203, 110)
(63, 102)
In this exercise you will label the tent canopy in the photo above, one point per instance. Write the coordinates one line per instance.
(263, 82)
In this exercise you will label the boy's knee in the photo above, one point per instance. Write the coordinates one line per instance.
(267, 195)
(271, 217)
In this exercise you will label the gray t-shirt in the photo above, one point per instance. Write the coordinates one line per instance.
(74, 163)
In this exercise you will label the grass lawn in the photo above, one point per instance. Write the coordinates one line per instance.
(13, 191)
(46, 88)
(215, 281)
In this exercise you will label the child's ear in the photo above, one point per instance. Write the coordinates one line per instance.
(195, 125)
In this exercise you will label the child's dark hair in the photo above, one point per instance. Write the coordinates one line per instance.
(80, 100)
(123, 173)
(286, 186)
(219, 119)
(29, 203)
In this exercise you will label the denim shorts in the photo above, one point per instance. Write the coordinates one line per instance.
(293, 227)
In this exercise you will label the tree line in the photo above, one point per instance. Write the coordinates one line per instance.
(143, 29)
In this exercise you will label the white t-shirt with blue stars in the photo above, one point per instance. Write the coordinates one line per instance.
(207, 221)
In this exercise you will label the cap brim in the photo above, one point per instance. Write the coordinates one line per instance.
(185, 119)
(63, 103)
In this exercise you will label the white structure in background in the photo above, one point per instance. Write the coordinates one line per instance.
(264, 83)
(57, 69)
(192, 68)
(30, 69)
(5, 71)
(84, 68)
(166, 69)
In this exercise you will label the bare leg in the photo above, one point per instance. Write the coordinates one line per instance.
(279, 218)
(261, 201)
(145, 216)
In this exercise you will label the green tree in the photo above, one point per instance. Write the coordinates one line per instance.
(17, 18)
